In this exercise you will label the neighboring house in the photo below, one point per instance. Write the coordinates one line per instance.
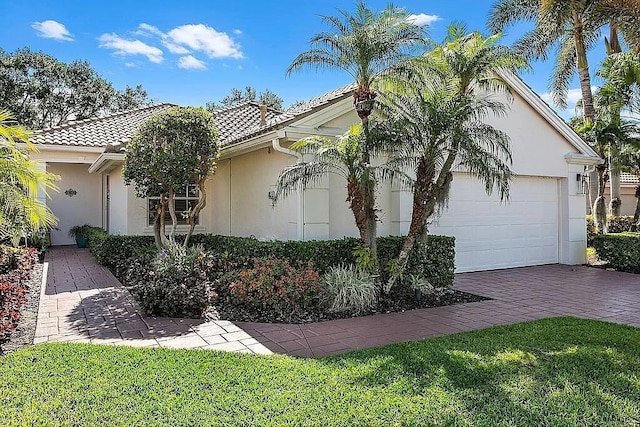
(628, 184)
(544, 221)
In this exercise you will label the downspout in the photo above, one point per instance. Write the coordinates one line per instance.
(280, 149)
(229, 196)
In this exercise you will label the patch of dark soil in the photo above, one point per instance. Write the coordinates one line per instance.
(23, 334)
(398, 300)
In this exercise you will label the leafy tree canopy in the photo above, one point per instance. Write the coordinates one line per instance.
(42, 91)
(170, 151)
(249, 94)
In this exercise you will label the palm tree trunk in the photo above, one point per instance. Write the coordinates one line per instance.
(615, 205)
(636, 214)
(600, 207)
(368, 191)
(583, 68)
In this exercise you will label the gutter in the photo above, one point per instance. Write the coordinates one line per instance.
(275, 143)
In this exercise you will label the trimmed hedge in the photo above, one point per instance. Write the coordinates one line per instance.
(434, 260)
(615, 224)
(621, 251)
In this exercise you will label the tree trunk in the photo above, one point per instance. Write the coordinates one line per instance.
(600, 206)
(368, 191)
(636, 214)
(593, 190)
(583, 68)
(202, 202)
(426, 195)
(354, 197)
(156, 232)
(616, 202)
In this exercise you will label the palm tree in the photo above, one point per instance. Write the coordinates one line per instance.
(620, 91)
(342, 156)
(439, 124)
(368, 46)
(20, 178)
(573, 27)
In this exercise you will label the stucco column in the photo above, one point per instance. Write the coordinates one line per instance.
(316, 211)
(573, 210)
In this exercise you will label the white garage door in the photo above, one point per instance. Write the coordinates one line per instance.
(491, 235)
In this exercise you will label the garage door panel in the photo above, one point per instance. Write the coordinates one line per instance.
(490, 234)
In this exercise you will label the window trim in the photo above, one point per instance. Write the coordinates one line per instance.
(186, 197)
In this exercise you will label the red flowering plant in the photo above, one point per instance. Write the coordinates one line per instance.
(278, 286)
(16, 266)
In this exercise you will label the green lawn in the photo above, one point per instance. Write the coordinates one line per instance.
(551, 372)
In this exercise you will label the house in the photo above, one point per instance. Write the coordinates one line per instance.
(543, 223)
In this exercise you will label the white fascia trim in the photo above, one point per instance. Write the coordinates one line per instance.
(74, 148)
(246, 146)
(547, 112)
(105, 162)
(582, 159)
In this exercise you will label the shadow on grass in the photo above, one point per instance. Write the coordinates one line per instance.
(578, 373)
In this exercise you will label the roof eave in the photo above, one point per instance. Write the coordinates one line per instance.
(106, 162)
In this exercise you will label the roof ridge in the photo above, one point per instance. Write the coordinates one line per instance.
(73, 123)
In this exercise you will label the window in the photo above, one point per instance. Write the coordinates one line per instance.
(184, 201)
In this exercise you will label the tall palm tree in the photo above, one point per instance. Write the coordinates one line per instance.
(573, 27)
(20, 178)
(368, 46)
(439, 124)
(620, 91)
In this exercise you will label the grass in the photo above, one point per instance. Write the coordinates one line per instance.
(561, 372)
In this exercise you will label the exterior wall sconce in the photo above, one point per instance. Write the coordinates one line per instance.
(582, 184)
(70, 192)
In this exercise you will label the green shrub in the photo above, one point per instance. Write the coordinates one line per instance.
(349, 288)
(433, 260)
(277, 286)
(615, 224)
(175, 284)
(621, 251)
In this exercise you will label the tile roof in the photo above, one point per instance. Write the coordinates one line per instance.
(629, 178)
(294, 113)
(235, 124)
(98, 132)
(232, 121)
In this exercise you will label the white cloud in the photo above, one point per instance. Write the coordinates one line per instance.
(148, 30)
(573, 96)
(203, 38)
(423, 19)
(237, 32)
(126, 47)
(50, 29)
(189, 62)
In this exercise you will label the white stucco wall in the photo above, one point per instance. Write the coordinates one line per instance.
(118, 203)
(85, 207)
(240, 190)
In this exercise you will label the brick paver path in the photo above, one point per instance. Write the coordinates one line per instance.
(519, 294)
(83, 302)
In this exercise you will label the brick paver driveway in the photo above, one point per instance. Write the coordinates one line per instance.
(83, 302)
(518, 294)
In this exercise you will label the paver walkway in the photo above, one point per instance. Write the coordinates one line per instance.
(83, 302)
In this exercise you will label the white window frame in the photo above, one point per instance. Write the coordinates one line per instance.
(180, 214)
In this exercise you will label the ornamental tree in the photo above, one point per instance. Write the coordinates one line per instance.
(170, 151)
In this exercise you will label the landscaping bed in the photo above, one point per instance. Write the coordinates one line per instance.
(243, 279)
(561, 371)
(19, 296)
(398, 300)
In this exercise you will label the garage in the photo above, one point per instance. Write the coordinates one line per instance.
(491, 235)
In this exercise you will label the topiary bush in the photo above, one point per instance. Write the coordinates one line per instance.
(277, 286)
(621, 251)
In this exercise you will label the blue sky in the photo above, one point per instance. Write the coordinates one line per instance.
(190, 52)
